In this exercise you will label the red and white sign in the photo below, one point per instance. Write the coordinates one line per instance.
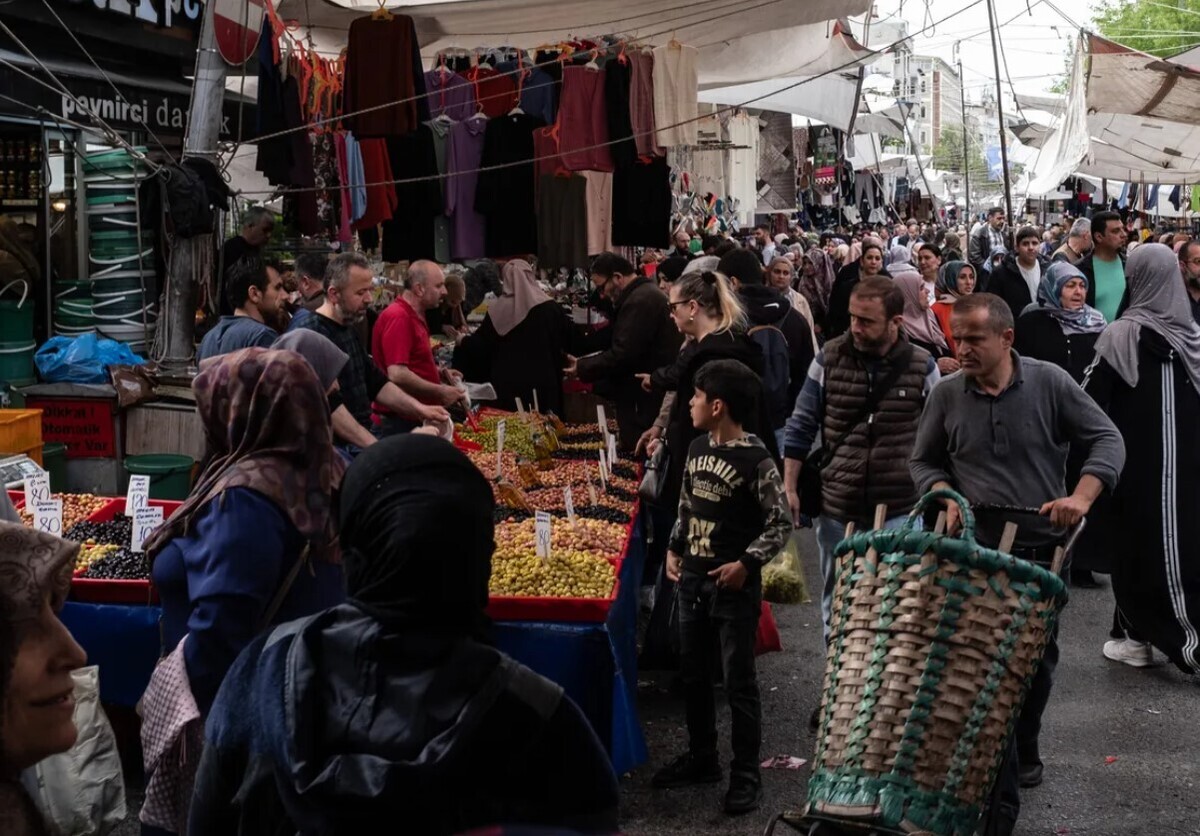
(237, 24)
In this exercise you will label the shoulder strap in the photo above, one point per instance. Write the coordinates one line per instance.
(775, 328)
(873, 400)
(284, 589)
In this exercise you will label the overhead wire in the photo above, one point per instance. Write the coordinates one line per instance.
(500, 166)
(106, 77)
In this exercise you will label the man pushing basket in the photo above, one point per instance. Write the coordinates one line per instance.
(998, 431)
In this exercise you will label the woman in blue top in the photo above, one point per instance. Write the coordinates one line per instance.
(252, 546)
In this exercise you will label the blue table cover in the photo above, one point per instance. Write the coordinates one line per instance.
(596, 664)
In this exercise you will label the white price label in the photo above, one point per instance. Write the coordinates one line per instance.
(145, 520)
(541, 532)
(601, 420)
(37, 488)
(569, 502)
(612, 451)
(603, 464)
(47, 516)
(591, 493)
(520, 408)
(501, 427)
(536, 407)
(138, 495)
(603, 475)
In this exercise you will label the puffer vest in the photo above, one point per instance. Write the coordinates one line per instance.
(870, 467)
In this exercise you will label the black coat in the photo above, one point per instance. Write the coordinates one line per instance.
(1040, 336)
(643, 339)
(529, 357)
(1008, 283)
(767, 306)
(837, 315)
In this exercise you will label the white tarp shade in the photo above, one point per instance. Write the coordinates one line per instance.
(889, 122)
(1068, 146)
(730, 34)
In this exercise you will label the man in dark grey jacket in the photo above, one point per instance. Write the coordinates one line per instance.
(998, 432)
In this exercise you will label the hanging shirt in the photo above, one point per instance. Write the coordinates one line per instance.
(381, 199)
(356, 180)
(449, 95)
(675, 89)
(409, 234)
(464, 150)
(495, 93)
(440, 129)
(538, 90)
(383, 66)
(599, 211)
(583, 122)
(741, 164)
(641, 104)
(642, 205)
(562, 222)
(618, 77)
(506, 196)
(1110, 286)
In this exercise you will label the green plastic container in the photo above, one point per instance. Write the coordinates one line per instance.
(16, 315)
(54, 461)
(16, 362)
(170, 474)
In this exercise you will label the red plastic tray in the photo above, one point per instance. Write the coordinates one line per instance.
(104, 591)
(585, 610)
(17, 498)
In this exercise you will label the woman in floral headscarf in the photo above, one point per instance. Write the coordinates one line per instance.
(37, 655)
(816, 283)
(955, 279)
(253, 546)
(1061, 328)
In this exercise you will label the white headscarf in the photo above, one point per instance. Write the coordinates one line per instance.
(521, 295)
(1158, 301)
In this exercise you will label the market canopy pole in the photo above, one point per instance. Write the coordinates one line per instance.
(200, 140)
(962, 106)
(1000, 115)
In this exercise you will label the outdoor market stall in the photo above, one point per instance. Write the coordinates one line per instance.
(565, 574)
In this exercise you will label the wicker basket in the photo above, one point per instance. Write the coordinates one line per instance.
(933, 643)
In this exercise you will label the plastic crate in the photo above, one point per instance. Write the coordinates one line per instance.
(104, 591)
(576, 610)
(17, 498)
(21, 431)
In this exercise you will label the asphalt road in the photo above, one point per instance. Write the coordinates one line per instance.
(1149, 720)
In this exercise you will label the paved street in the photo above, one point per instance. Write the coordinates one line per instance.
(1149, 720)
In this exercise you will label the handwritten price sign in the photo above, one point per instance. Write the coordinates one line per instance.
(37, 488)
(541, 533)
(138, 495)
(47, 516)
(145, 520)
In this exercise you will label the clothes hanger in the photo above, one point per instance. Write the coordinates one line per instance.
(382, 13)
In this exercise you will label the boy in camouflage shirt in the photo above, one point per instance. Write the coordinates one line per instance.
(733, 519)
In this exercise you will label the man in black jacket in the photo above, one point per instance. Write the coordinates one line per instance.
(643, 339)
(987, 238)
(1016, 279)
(767, 306)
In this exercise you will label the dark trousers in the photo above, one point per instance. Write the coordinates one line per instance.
(729, 619)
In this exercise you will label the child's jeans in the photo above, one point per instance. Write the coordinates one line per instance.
(727, 619)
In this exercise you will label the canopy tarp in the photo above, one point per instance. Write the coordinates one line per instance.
(740, 41)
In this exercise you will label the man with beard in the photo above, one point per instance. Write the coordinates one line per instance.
(348, 281)
(1189, 265)
(864, 394)
(256, 296)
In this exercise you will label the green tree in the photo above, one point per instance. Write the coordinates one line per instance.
(948, 153)
(1159, 27)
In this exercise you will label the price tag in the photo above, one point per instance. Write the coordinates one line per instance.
(47, 516)
(591, 493)
(536, 407)
(521, 409)
(145, 520)
(601, 420)
(603, 464)
(569, 502)
(501, 426)
(138, 495)
(541, 533)
(37, 488)
(612, 450)
(603, 474)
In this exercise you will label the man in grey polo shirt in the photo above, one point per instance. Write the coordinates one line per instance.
(998, 432)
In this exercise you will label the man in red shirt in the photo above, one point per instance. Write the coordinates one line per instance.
(401, 349)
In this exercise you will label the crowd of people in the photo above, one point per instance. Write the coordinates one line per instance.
(326, 661)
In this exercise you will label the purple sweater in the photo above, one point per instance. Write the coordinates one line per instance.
(463, 153)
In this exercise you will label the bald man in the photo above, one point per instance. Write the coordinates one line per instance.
(400, 346)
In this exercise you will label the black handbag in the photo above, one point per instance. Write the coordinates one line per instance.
(654, 479)
(808, 484)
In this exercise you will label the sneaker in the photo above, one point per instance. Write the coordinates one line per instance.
(743, 795)
(687, 770)
(1030, 776)
(1134, 654)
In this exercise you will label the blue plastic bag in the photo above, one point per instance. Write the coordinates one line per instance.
(82, 359)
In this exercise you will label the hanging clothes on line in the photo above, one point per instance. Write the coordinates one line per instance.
(449, 95)
(641, 104)
(495, 93)
(676, 87)
(642, 204)
(464, 153)
(582, 120)
(383, 66)
(409, 234)
(562, 232)
(505, 196)
(440, 131)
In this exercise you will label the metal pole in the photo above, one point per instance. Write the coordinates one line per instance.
(1000, 113)
(962, 104)
(200, 140)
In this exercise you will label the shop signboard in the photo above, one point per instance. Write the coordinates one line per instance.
(85, 425)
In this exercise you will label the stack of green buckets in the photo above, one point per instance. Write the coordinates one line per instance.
(120, 261)
(17, 345)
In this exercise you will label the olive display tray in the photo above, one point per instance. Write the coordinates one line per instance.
(110, 591)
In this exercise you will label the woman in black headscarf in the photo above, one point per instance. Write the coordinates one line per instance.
(392, 707)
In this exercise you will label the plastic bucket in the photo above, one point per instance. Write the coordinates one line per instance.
(54, 460)
(170, 474)
(16, 362)
(16, 316)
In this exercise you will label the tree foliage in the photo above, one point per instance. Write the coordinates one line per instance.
(948, 153)
(1159, 27)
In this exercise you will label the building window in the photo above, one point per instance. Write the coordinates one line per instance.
(922, 111)
(923, 138)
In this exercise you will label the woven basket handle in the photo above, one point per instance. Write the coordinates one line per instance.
(968, 518)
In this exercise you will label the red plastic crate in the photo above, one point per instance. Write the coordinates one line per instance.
(104, 591)
(17, 498)
(586, 610)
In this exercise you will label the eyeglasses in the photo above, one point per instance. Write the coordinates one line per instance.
(671, 305)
